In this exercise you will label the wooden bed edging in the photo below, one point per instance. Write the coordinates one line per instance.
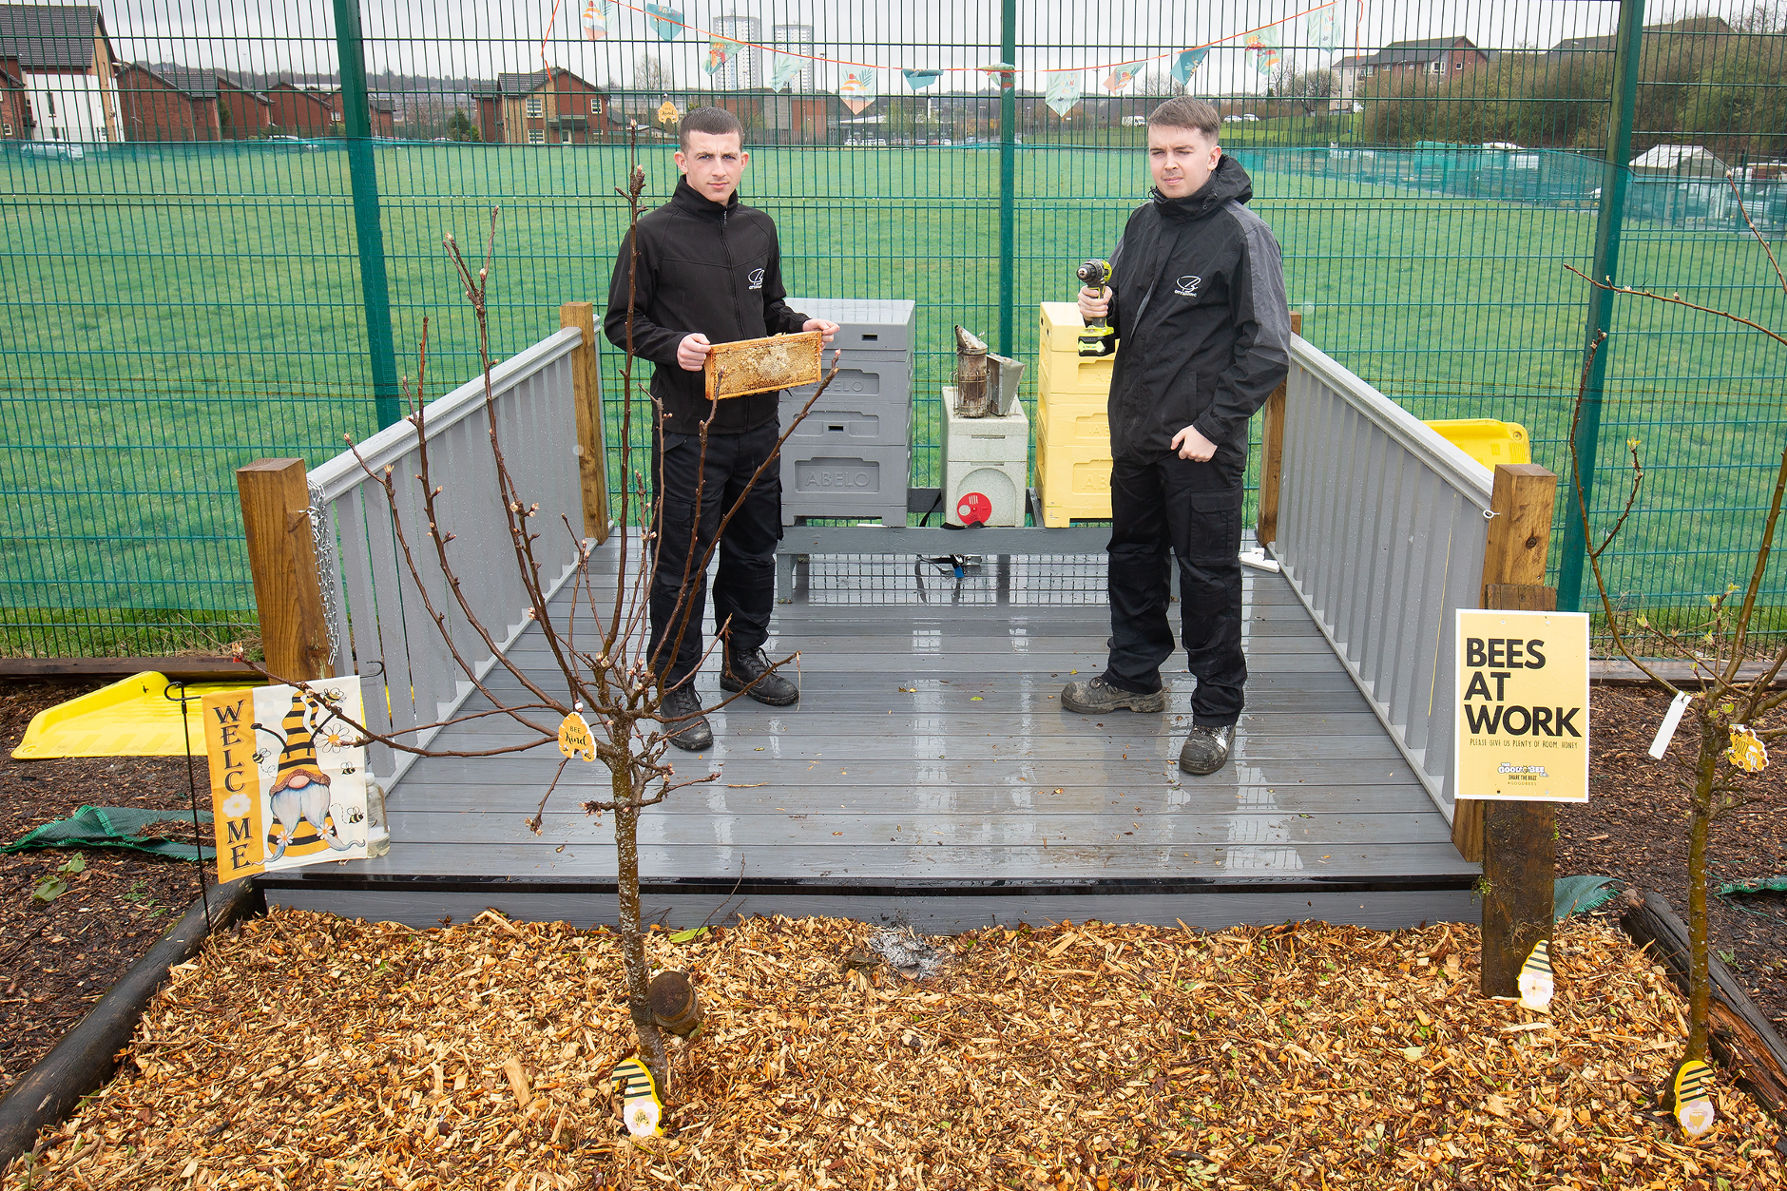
(1741, 1037)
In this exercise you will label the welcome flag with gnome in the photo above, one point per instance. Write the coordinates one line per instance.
(857, 89)
(598, 18)
(288, 778)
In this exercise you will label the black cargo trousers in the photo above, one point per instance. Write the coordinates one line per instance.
(1163, 504)
(745, 586)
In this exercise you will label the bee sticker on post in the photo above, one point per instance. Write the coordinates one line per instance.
(288, 778)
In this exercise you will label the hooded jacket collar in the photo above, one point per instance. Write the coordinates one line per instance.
(687, 198)
(1227, 181)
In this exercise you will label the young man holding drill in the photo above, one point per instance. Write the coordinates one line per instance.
(1203, 331)
(705, 269)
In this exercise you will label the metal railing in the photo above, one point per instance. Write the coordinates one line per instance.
(1381, 532)
(380, 624)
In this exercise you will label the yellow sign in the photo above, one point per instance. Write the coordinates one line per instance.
(1521, 728)
(574, 737)
(667, 113)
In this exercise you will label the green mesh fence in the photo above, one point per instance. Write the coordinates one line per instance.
(211, 228)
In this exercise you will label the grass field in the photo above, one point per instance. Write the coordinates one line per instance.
(167, 315)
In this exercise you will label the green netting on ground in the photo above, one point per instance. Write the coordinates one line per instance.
(114, 827)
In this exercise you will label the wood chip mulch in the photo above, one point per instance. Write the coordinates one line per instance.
(306, 1051)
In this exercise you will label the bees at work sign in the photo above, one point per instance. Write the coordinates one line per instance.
(1521, 727)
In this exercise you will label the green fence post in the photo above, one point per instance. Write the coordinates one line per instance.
(1008, 221)
(375, 291)
(1614, 172)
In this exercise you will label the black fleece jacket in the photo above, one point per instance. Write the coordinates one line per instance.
(1203, 328)
(702, 268)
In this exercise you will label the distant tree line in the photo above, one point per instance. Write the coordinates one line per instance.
(1700, 82)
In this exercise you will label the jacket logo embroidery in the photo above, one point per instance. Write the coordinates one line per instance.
(756, 278)
(1187, 286)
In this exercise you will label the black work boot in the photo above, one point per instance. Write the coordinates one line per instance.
(1095, 696)
(1206, 749)
(680, 713)
(748, 670)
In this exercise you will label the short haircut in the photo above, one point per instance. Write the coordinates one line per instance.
(713, 121)
(1182, 111)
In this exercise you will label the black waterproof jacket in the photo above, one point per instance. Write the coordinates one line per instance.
(702, 268)
(1203, 329)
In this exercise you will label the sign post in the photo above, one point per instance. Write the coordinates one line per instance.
(1522, 747)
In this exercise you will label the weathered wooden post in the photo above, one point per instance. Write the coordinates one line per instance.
(1516, 840)
(288, 595)
(1272, 455)
(592, 441)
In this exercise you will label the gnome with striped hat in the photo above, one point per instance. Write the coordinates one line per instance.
(300, 790)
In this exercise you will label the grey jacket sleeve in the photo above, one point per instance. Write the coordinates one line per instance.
(1262, 355)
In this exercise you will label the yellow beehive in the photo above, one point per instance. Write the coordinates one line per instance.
(1073, 480)
(1073, 437)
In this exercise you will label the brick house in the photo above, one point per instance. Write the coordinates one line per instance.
(383, 113)
(168, 104)
(243, 111)
(302, 111)
(1436, 58)
(547, 107)
(66, 70)
(15, 116)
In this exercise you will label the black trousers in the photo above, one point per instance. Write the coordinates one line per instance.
(1193, 510)
(745, 587)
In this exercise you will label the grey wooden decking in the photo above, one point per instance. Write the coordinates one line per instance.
(929, 775)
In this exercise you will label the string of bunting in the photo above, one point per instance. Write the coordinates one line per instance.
(858, 85)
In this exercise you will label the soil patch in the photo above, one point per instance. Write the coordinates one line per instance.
(58, 956)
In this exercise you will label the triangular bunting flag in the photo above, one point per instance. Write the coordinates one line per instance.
(719, 50)
(918, 80)
(1063, 92)
(1120, 77)
(1186, 65)
(598, 18)
(1262, 51)
(1323, 29)
(783, 70)
(857, 89)
(666, 22)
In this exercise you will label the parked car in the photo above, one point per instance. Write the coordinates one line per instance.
(293, 142)
(71, 152)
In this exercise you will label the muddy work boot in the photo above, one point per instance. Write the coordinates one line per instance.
(1096, 696)
(680, 713)
(1207, 749)
(748, 670)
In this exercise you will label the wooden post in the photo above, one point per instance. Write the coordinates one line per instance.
(592, 442)
(282, 557)
(1516, 841)
(1519, 537)
(1272, 454)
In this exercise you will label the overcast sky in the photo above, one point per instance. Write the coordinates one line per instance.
(473, 37)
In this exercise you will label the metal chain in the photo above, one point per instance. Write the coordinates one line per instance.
(326, 569)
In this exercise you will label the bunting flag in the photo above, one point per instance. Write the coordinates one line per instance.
(1063, 92)
(719, 51)
(1186, 65)
(857, 89)
(918, 80)
(1262, 51)
(598, 18)
(1120, 78)
(666, 22)
(1323, 29)
(784, 69)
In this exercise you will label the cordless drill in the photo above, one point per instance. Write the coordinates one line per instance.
(1099, 337)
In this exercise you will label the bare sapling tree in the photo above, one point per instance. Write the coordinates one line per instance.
(601, 697)
(1732, 694)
